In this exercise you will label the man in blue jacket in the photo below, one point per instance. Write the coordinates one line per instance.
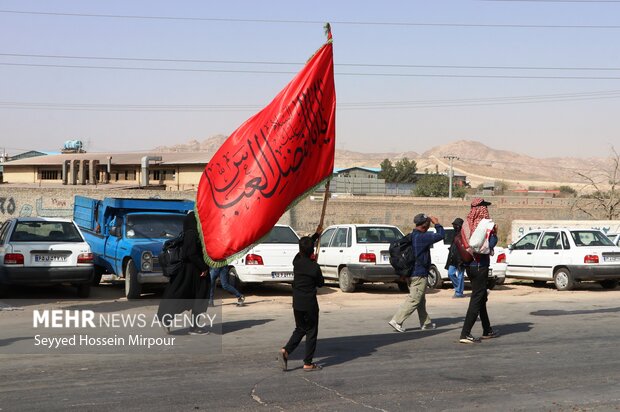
(421, 242)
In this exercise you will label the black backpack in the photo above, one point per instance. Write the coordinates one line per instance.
(402, 257)
(171, 256)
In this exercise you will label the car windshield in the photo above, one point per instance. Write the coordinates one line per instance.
(590, 238)
(377, 234)
(281, 235)
(153, 226)
(45, 231)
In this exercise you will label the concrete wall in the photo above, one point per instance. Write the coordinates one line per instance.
(42, 201)
(21, 174)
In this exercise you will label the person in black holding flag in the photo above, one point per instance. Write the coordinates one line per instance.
(189, 290)
(307, 277)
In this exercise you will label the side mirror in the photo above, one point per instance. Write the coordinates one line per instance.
(511, 246)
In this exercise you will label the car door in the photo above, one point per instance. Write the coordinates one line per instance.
(547, 255)
(440, 251)
(521, 256)
(335, 253)
(325, 251)
(112, 241)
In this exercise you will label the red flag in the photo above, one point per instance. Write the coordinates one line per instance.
(269, 162)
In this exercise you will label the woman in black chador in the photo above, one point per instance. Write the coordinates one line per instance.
(190, 289)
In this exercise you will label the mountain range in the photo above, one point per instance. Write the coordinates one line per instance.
(479, 162)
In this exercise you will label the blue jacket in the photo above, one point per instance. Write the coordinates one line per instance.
(421, 244)
(484, 260)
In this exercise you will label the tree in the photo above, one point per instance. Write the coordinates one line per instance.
(436, 185)
(500, 187)
(604, 200)
(403, 171)
(406, 171)
(567, 191)
(388, 171)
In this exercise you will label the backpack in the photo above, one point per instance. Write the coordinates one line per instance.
(462, 248)
(402, 258)
(171, 256)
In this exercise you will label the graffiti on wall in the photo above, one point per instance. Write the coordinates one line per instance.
(7, 205)
(54, 207)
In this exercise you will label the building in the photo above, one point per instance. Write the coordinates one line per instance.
(172, 171)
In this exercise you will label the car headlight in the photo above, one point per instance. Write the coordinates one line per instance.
(147, 261)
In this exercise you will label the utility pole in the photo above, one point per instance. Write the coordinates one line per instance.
(450, 173)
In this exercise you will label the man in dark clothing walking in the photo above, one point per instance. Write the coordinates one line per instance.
(307, 277)
(421, 242)
(454, 263)
(478, 272)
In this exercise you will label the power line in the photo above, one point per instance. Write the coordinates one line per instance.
(167, 69)
(339, 22)
(262, 62)
(523, 99)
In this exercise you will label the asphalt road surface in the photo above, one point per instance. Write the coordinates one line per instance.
(558, 351)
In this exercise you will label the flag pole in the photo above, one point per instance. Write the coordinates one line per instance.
(327, 195)
(328, 33)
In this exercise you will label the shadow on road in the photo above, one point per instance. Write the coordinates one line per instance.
(10, 341)
(552, 312)
(348, 348)
(229, 327)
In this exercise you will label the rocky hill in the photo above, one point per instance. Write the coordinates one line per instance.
(480, 163)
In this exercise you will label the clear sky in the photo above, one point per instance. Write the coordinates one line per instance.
(538, 77)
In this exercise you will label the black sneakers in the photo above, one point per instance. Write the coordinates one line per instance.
(469, 339)
(491, 334)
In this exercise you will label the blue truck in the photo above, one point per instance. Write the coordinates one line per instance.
(127, 235)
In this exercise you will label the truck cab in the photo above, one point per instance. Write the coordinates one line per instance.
(127, 235)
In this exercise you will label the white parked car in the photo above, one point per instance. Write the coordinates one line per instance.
(44, 251)
(564, 256)
(355, 254)
(269, 261)
(438, 276)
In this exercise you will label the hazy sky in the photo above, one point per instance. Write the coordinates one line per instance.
(537, 77)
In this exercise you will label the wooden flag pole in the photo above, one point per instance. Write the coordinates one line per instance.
(323, 214)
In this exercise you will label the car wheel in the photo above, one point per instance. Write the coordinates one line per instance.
(434, 280)
(98, 272)
(133, 289)
(233, 279)
(83, 290)
(500, 281)
(403, 287)
(563, 279)
(345, 281)
(491, 283)
(609, 283)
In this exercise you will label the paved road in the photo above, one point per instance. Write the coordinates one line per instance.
(558, 351)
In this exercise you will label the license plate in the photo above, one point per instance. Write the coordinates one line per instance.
(490, 272)
(50, 258)
(611, 258)
(385, 258)
(281, 275)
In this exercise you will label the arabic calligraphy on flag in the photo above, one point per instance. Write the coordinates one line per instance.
(269, 162)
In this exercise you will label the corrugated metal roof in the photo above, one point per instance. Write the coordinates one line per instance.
(368, 169)
(117, 158)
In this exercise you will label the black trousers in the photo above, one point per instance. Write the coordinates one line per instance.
(478, 302)
(306, 324)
